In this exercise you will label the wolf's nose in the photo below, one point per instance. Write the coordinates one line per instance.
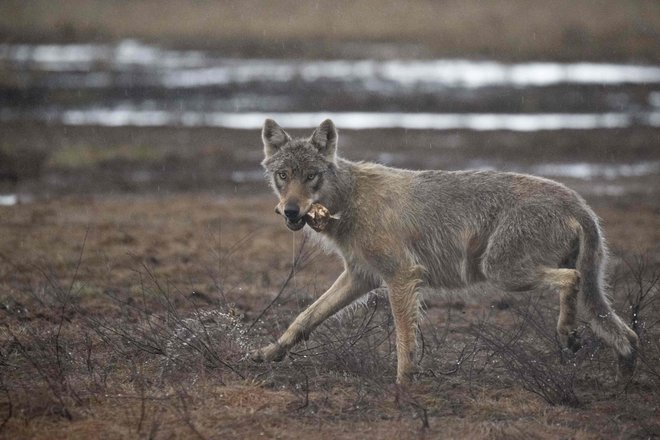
(291, 211)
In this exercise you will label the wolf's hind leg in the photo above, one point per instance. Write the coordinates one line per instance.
(567, 283)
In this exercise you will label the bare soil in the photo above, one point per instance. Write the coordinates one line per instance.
(141, 264)
(108, 306)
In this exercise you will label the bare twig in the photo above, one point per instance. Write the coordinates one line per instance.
(300, 257)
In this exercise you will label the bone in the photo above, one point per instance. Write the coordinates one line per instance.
(319, 217)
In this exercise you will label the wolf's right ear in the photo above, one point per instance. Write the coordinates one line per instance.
(274, 137)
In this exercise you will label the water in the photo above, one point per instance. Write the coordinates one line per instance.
(189, 69)
(589, 171)
(134, 84)
(581, 170)
(130, 116)
(8, 199)
(131, 84)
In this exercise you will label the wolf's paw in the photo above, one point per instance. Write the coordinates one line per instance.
(570, 341)
(626, 367)
(574, 343)
(627, 362)
(271, 353)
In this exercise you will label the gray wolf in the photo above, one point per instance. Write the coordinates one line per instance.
(412, 229)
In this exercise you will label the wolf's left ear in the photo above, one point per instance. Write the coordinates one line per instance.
(273, 136)
(324, 139)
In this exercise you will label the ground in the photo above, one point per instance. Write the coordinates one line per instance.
(129, 314)
(510, 29)
(141, 264)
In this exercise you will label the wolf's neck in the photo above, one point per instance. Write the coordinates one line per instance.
(344, 183)
(342, 187)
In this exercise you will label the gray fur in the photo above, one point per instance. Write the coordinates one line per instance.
(441, 229)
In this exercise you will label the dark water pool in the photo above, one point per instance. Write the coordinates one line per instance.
(133, 84)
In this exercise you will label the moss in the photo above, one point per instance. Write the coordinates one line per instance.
(83, 156)
(21, 162)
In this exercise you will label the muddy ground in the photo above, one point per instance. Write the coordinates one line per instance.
(44, 159)
(137, 261)
(139, 265)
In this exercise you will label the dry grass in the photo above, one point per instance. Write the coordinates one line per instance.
(595, 29)
(130, 317)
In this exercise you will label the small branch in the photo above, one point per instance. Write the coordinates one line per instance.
(292, 272)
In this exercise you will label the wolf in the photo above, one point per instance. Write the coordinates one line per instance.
(440, 229)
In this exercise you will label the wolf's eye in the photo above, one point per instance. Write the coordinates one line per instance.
(281, 175)
(311, 176)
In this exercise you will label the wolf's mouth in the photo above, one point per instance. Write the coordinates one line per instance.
(295, 225)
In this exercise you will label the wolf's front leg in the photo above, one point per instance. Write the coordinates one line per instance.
(346, 289)
(404, 301)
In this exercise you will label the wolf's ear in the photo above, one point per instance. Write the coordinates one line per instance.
(274, 137)
(324, 139)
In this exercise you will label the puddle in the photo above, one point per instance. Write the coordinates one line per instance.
(124, 55)
(607, 190)
(442, 73)
(131, 116)
(588, 171)
(135, 84)
(8, 199)
(186, 68)
(247, 176)
(654, 99)
(132, 84)
(582, 171)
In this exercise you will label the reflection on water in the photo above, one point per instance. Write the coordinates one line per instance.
(8, 199)
(124, 55)
(581, 171)
(172, 68)
(127, 116)
(381, 75)
(131, 83)
(590, 171)
(654, 99)
(597, 179)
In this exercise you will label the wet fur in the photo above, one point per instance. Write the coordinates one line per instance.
(442, 229)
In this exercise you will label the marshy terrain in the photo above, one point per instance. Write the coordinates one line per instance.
(140, 258)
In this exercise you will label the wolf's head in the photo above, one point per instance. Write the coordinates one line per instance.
(299, 168)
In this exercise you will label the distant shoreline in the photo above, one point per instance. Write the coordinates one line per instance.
(562, 30)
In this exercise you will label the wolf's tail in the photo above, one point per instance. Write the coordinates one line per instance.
(591, 261)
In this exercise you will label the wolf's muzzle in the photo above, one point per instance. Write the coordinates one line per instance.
(295, 225)
(291, 211)
(294, 220)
